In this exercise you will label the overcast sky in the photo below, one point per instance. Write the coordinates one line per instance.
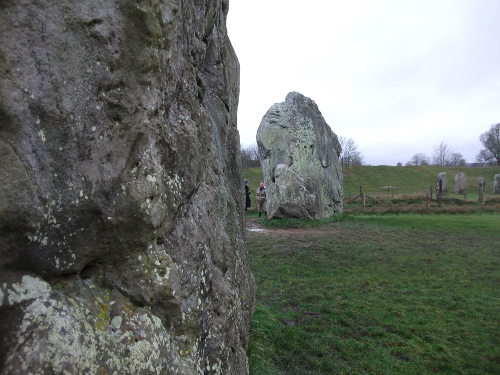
(397, 76)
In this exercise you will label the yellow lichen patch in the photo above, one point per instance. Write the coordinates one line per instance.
(103, 316)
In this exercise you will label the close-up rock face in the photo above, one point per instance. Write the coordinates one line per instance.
(299, 155)
(121, 217)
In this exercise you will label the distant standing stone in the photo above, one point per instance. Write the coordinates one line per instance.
(299, 156)
(443, 178)
(482, 185)
(460, 183)
(496, 184)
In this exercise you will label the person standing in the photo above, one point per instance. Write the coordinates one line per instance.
(261, 199)
(248, 202)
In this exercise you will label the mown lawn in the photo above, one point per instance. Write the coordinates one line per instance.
(389, 294)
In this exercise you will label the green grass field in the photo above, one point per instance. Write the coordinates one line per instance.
(406, 180)
(367, 294)
(411, 180)
(408, 194)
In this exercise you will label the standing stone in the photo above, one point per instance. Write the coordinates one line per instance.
(299, 157)
(482, 185)
(496, 184)
(121, 223)
(482, 188)
(443, 180)
(460, 183)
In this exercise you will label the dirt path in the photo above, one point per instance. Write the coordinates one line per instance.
(252, 225)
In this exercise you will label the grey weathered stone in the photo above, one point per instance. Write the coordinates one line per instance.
(496, 184)
(442, 176)
(299, 157)
(460, 183)
(482, 185)
(121, 223)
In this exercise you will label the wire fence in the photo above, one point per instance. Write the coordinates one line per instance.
(466, 189)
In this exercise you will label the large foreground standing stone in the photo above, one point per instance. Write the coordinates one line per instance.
(299, 157)
(121, 218)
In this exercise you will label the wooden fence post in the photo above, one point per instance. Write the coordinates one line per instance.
(481, 191)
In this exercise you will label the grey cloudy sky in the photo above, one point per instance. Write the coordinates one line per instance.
(397, 76)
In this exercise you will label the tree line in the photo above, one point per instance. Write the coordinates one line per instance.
(351, 156)
(443, 155)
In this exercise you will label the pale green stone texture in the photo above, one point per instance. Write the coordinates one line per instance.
(299, 155)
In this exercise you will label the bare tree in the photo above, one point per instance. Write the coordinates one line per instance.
(482, 158)
(490, 155)
(456, 160)
(419, 159)
(442, 155)
(350, 155)
(250, 156)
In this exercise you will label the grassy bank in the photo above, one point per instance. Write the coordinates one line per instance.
(391, 294)
(411, 180)
(407, 182)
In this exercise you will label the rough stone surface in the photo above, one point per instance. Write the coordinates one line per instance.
(482, 185)
(299, 156)
(121, 223)
(460, 185)
(496, 184)
(443, 177)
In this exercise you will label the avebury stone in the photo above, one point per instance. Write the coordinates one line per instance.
(496, 184)
(121, 223)
(482, 185)
(299, 157)
(443, 178)
(460, 183)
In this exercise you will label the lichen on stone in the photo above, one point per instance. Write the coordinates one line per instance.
(121, 219)
(299, 157)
